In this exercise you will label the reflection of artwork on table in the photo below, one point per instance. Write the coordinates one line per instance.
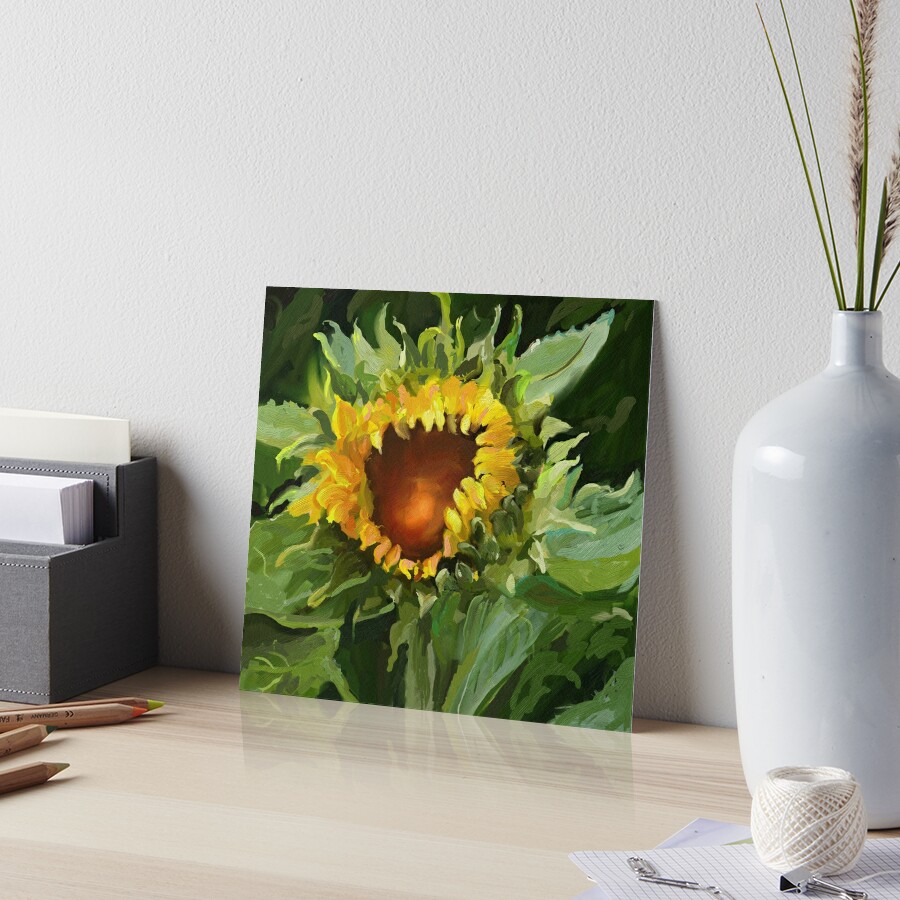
(447, 502)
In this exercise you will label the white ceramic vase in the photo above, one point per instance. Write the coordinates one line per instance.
(816, 573)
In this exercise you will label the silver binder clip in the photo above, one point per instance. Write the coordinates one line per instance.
(646, 871)
(802, 881)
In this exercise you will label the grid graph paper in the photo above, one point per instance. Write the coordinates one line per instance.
(734, 869)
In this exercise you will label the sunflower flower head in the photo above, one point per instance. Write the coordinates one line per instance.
(410, 470)
(429, 450)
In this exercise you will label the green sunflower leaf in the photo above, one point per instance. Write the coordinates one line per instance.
(601, 550)
(543, 592)
(553, 490)
(572, 311)
(558, 361)
(495, 639)
(370, 359)
(283, 431)
(563, 668)
(338, 349)
(610, 708)
(507, 347)
(402, 630)
(559, 450)
(445, 620)
(436, 351)
(267, 475)
(303, 576)
(551, 428)
(418, 677)
(411, 357)
(389, 348)
(279, 662)
(281, 425)
(340, 355)
(483, 346)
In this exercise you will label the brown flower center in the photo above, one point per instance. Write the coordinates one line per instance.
(412, 485)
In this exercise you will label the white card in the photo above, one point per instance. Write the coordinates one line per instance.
(28, 434)
(42, 509)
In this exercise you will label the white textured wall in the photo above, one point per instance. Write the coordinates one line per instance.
(160, 163)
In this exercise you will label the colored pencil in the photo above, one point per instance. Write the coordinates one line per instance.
(28, 776)
(70, 716)
(142, 702)
(23, 738)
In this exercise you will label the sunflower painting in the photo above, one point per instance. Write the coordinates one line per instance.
(447, 502)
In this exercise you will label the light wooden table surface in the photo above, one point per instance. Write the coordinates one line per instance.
(225, 794)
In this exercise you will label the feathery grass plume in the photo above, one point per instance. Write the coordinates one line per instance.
(892, 216)
(867, 13)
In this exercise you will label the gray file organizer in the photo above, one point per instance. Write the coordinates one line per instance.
(75, 617)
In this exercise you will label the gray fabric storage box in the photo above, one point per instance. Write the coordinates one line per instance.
(73, 618)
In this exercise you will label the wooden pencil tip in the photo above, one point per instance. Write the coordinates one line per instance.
(154, 704)
(137, 711)
(51, 728)
(57, 767)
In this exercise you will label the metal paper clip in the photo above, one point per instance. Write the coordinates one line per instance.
(801, 881)
(646, 871)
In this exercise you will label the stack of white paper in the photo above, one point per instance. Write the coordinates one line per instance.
(43, 509)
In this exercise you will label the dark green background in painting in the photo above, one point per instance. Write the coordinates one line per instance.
(613, 408)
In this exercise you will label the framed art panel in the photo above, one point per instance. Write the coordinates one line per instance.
(448, 501)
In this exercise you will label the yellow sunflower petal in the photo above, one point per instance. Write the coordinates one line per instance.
(369, 534)
(343, 420)
(437, 408)
(451, 544)
(429, 566)
(495, 414)
(305, 506)
(339, 466)
(492, 486)
(382, 548)
(497, 435)
(462, 503)
(474, 491)
(450, 394)
(467, 394)
(498, 463)
(452, 520)
(509, 476)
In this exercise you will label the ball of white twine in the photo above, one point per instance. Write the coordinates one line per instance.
(812, 817)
